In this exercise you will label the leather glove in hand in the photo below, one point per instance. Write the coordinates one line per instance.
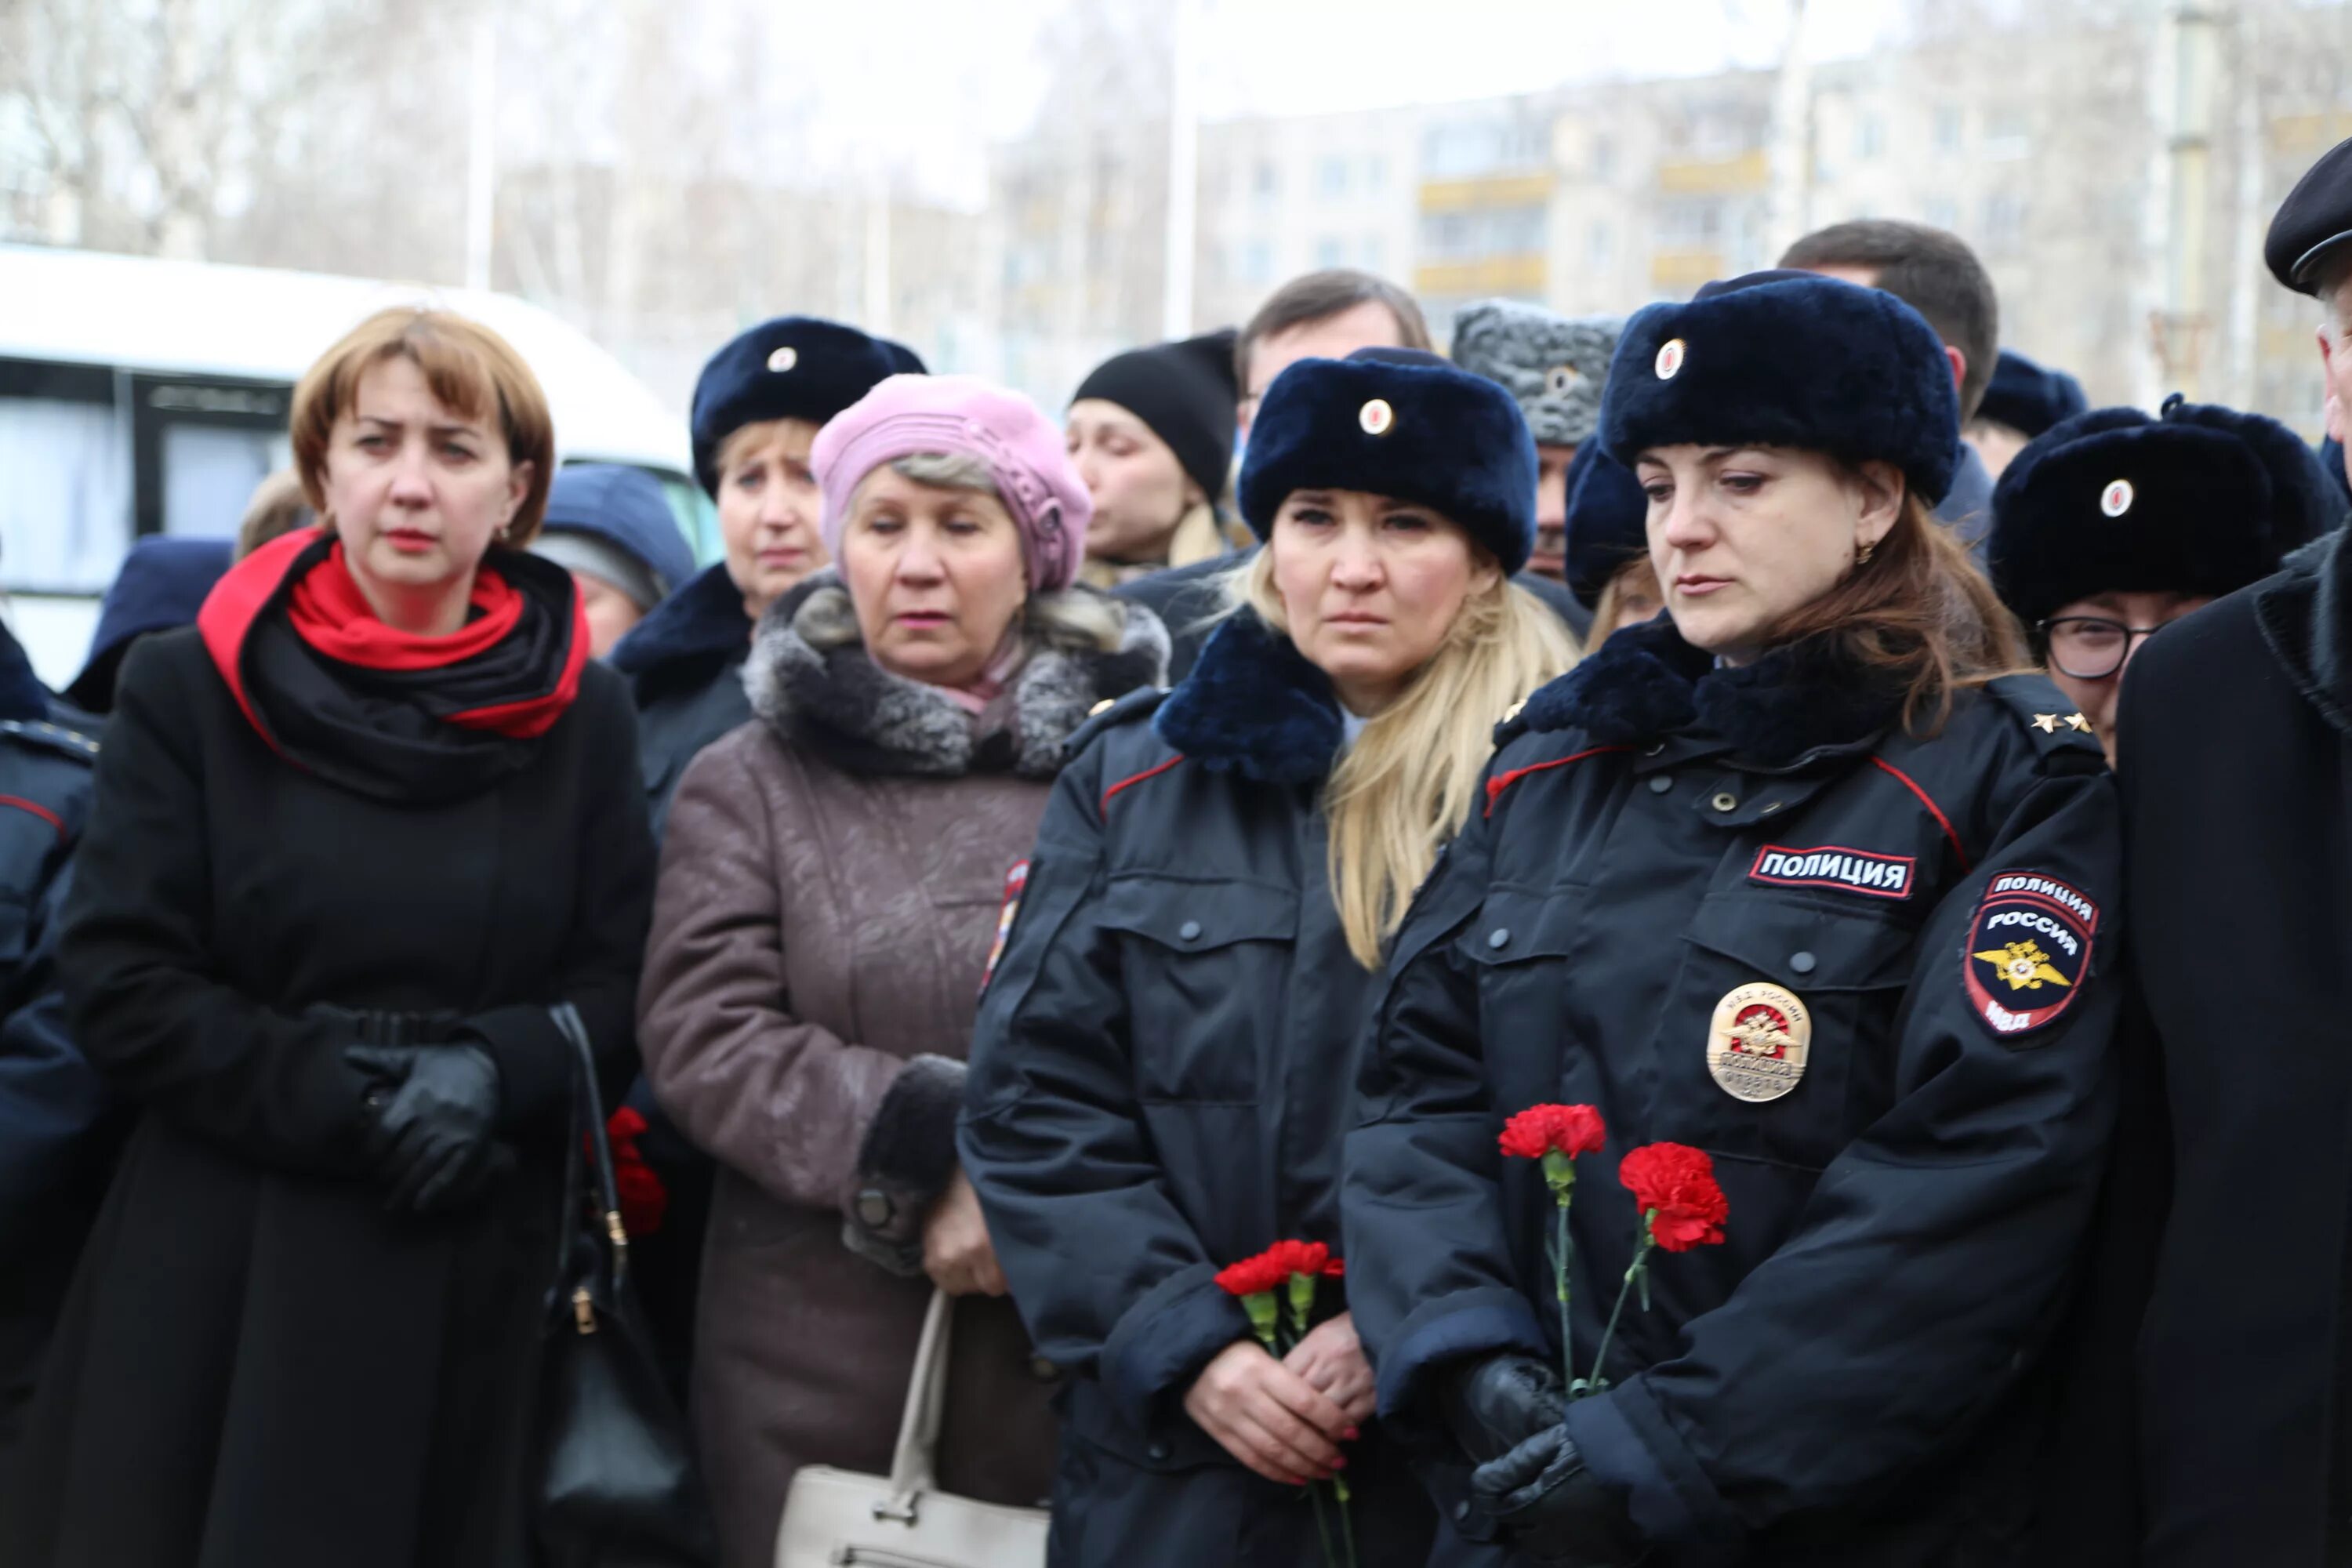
(429, 1139)
(1493, 1405)
(1554, 1509)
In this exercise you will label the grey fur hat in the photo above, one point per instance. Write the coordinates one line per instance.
(1553, 366)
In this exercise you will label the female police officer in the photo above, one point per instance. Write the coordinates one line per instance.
(1793, 876)
(1161, 1069)
(2112, 525)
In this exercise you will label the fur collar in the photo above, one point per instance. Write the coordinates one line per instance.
(2305, 615)
(1647, 683)
(1254, 706)
(704, 619)
(811, 680)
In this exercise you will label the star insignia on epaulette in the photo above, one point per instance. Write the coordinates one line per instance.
(2076, 721)
(2046, 722)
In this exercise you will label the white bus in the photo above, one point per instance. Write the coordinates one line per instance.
(140, 397)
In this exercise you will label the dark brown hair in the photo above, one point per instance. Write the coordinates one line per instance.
(1919, 613)
(1318, 296)
(470, 369)
(1928, 269)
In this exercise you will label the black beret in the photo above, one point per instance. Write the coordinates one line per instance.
(795, 367)
(1185, 392)
(2202, 500)
(2027, 398)
(1399, 423)
(1788, 360)
(1607, 521)
(2314, 223)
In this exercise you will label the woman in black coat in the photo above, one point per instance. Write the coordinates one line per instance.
(1161, 1068)
(1797, 878)
(354, 834)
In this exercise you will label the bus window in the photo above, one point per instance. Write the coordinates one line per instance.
(210, 473)
(65, 511)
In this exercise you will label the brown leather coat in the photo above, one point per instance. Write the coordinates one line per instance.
(829, 888)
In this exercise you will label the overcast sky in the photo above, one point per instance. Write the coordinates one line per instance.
(929, 83)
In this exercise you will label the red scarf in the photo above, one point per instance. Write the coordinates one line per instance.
(326, 608)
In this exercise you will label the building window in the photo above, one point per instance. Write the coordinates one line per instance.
(1375, 253)
(1604, 159)
(1269, 181)
(1376, 173)
(1947, 128)
(1942, 213)
(1690, 225)
(1870, 136)
(1598, 244)
(2004, 224)
(1331, 252)
(2005, 134)
(1257, 261)
(1331, 178)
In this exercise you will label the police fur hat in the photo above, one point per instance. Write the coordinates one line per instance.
(793, 367)
(1608, 521)
(1789, 359)
(2201, 500)
(1554, 365)
(1399, 423)
(2027, 398)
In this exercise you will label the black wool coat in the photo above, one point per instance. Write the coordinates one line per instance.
(258, 1367)
(1158, 1087)
(1672, 859)
(2238, 802)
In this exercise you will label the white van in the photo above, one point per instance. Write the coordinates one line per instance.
(140, 397)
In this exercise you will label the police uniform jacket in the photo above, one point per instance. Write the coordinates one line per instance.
(58, 1130)
(1691, 889)
(1160, 1080)
(684, 664)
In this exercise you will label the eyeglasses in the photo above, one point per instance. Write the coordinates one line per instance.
(2090, 648)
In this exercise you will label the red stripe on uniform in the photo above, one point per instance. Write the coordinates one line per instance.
(1138, 778)
(1496, 786)
(1933, 809)
(42, 811)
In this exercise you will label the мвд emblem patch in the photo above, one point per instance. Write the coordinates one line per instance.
(2028, 952)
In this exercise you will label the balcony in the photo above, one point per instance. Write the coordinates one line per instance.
(1681, 271)
(1488, 191)
(1523, 274)
(1750, 171)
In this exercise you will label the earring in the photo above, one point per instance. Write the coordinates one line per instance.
(1862, 557)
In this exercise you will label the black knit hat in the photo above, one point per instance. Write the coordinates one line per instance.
(1185, 392)
(2202, 500)
(793, 367)
(1400, 423)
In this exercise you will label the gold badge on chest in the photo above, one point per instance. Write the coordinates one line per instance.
(1757, 1046)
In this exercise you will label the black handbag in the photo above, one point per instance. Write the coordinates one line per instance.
(614, 1476)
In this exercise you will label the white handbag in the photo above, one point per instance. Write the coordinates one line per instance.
(834, 1519)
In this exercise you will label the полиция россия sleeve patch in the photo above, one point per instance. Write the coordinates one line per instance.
(2028, 952)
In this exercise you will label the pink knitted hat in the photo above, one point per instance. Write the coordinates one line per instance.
(963, 416)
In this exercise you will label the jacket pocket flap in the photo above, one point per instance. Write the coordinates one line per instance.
(1805, 945)
(1516, 924)
(1196, 917)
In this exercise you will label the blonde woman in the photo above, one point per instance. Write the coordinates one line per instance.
(1163, 1067)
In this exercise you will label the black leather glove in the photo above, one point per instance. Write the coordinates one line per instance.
(1495, 1403)
(432, 1108)
(1554, 1509)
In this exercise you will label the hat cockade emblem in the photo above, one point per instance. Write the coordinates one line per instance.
(1671, 354)
(1377, 417)
(784, 359)
(2117, 499)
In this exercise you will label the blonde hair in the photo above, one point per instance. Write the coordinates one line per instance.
(1609, 612)
(1410, 780)
(278, 508)
(471, 371)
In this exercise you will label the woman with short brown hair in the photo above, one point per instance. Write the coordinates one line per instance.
(355, 833)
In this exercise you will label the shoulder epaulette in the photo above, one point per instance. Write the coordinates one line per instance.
(2057, 726)
(43, 735)
(1113, 711)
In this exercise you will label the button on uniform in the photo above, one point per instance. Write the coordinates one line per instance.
(1725, 801)
(1499, 938)
(1190, 931)
(1661, 783)
(1802, 962)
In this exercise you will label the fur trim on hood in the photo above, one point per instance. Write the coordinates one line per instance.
(811, 680)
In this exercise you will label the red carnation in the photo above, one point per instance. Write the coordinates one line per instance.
(1300, 1257)
(1336, 1270)
(1675, 1186)
(1541, 1129)
(1253, 1276)
(644, 1200)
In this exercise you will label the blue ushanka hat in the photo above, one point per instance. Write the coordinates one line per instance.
(1608, 521)
(1788, 359)
(2027, 398)
(1399, 423)
(793, 367)
(2199, 500)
